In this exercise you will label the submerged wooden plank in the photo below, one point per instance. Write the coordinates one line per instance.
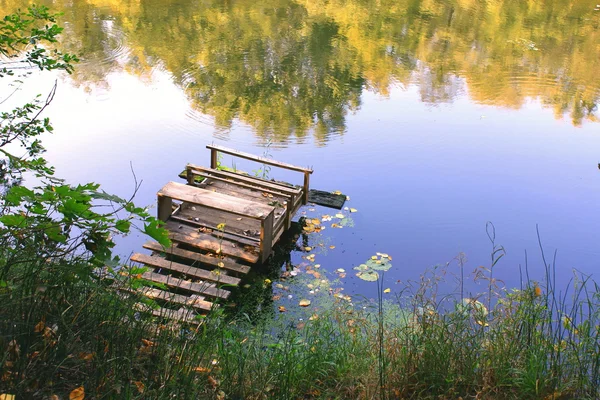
(191, 236)
(207, 198)
(326, 199)
(197, 257)
(202, 288)
(190, 301)
(192, 272)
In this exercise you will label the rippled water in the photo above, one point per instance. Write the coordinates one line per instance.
(435, 117)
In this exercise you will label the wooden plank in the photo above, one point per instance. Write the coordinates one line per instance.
(326, 199)
(197, 257)
(202, 288)
(186, 234)
(182, 315)
(227, 234)
(237, 182)
(190, 301)
(235, 225)
(263, 183)
(252, 157)
(190, 271)
(279, 203)
(214, 200)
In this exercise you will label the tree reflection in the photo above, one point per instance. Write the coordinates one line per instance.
(288, 68)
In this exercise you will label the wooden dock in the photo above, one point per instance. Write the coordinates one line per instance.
(221, 224)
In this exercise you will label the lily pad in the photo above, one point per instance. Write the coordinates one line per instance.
(370, 276)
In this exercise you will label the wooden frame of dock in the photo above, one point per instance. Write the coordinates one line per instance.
(221, 224)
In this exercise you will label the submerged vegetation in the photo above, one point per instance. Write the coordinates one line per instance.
(66, 330)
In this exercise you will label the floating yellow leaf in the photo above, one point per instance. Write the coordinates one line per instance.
(267, 281)
(282, 309)
(308, 248)
(316, 221)
(373, 257)
(387, 290)
(77, 394)
(339, 215)
(353, 210)
(337, 192)
(332, 247)
(304, 303)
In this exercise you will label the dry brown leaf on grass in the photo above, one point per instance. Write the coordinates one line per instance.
(140, 386)
(77, 394)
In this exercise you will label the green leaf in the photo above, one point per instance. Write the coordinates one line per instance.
(157, 233)
(16, 194)
(102, 195)
(55, 234)
(123, 225)
(13, 220)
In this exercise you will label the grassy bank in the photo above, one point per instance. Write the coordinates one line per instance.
(534, 342)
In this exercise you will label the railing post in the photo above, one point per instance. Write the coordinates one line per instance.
(306, 184)
(189, 174)
(266, 236)
(213, 158)
(165, 207)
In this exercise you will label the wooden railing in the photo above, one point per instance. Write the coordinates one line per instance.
(215, 149)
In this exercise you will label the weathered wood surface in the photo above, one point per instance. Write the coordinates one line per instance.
(191, 272)
(183, 233)
(201, 288)
(194, 301)
(193, 256)
(215, 200)
(250, 180)
(326, 199)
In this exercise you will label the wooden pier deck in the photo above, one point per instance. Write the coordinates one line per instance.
(221, 224)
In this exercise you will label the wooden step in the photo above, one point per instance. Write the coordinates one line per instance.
(212, 229)
(192, 272)
(228, 264)
(201, 288)
(215, 200)
(183, 233)
(194, 301)
(181, 315)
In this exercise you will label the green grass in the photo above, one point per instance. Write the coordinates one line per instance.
(535, 343)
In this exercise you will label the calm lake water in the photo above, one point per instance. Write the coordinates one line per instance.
(433, 116)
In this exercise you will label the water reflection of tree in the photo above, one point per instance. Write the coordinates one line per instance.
(290, 67)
